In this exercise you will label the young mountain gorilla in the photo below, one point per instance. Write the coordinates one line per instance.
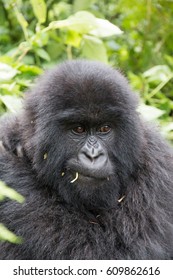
(97, 180)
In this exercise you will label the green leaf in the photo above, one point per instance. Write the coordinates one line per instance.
(167, 128)
(5, 191)
(43, 54)
(40, 10)
(94, 48)
(7, 72)
(22, 21)
(13, 103)
(150, 113)
(81, 22)
(7, 235)
(105, 29)
(81, 5)
(84, 22)
(73, 39)
(35, 70)
(158, 73)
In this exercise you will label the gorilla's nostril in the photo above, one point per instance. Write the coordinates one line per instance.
(93, 155)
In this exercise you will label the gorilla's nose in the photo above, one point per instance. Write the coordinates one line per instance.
(92, 157)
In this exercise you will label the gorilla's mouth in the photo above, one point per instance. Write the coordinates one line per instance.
(86, 177)
(81, 172)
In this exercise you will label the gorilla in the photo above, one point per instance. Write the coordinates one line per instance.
(97, 179)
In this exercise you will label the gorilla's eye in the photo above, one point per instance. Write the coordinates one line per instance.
(104, 129)
(79, 129)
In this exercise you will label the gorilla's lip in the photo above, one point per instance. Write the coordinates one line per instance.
(74, 167)
(85, 176)
(89, 177)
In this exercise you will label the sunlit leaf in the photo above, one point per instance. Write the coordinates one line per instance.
(40, 10)
(22, 21)
(73, 39)
(7, 235)
(7, 72)
(105, 29)
(43, 54)
(150, 113)
(81, 5)
(168, 127)
(5, 191)
(81, 22)
(158, 73)
(30, 69)
(93, 48)
(13, 103)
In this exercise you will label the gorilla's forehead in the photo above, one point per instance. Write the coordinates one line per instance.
(91, 115)
(97, 100)
(84, 88)
(85, 83)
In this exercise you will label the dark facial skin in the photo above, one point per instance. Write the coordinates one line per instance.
(90, 159)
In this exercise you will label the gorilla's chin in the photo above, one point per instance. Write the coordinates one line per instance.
(89, 192)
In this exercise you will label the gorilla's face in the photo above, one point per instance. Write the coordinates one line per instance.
(88, 158)
(85, 129)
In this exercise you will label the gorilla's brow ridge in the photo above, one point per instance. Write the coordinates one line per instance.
(77, 114)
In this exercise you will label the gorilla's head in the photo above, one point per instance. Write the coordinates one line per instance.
(82, 133)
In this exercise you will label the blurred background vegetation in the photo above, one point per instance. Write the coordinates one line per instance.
(134, 36)
(131, 35)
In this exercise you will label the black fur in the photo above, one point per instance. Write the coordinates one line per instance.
(64, 220)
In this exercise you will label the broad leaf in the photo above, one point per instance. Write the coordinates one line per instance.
(81, 22)
(13, 103)
(40, 10)
(150, 113)
(7, 72)
(105, 29)
(43, 54)
(94, 48)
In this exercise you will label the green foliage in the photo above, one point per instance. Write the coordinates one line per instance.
(40, 10)
(5, 234)
(129, 34)
(10, 193)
